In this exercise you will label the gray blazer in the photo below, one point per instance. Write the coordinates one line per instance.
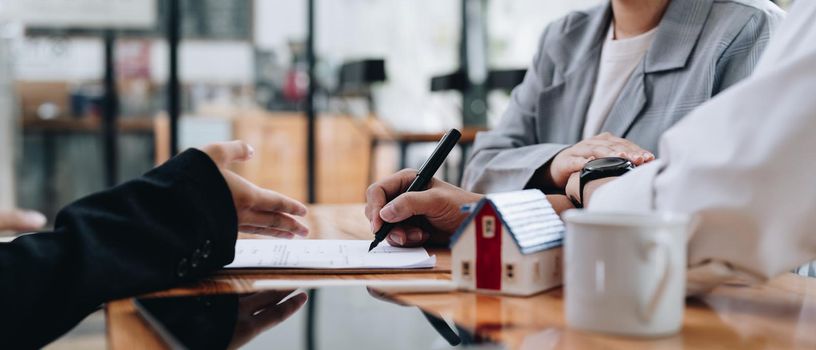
(701, 48)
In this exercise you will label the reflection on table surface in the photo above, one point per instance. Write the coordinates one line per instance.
(329, 318)
(776, 315)
(779, 314)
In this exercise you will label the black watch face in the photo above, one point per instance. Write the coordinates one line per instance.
(607, 163)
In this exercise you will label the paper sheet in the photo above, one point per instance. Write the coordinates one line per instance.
(326, 254)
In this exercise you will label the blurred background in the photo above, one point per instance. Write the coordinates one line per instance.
(90, 95)
(333, 94)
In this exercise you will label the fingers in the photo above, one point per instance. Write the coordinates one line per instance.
(265, 231)
(607, 148)
(631, 150)
(407, 236)
(411, 204)
(375, 200)
(605, 145)
(278, 221)
(272, 316)
(380, 295)
(396, 237)
(601, 151)
(21, 220)
(271, 201)
(224, 153)
(399, 182)
(263, 299)
(379, 193)
(247, 196)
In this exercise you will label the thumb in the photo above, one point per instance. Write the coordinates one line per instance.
(21, 220)
(407, 205)
(224, 153)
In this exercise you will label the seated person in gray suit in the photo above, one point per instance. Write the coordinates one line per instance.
(610, 80)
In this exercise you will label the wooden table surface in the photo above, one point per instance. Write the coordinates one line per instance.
(778, 314)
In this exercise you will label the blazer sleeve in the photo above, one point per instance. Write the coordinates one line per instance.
(506, 157)
(173, 224)
(740, 57)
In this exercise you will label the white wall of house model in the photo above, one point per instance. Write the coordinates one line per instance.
(510, 244)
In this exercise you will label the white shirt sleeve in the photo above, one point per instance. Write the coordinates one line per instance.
(744, 164)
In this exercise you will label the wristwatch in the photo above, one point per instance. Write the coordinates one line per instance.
(598, 169)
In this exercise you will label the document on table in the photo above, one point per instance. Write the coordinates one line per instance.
(326, 254)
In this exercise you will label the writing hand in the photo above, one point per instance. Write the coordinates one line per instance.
(436, 210)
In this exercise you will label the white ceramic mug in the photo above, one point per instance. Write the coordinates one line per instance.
(625, 273)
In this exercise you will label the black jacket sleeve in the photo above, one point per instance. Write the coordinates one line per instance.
(173, 224)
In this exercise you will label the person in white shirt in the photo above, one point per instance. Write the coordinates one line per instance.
(743, 164)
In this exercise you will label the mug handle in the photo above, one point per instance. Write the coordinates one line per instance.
(648, 307)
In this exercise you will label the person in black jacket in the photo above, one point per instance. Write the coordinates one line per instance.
(176, 223)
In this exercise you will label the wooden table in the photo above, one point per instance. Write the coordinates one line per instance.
(778, 314)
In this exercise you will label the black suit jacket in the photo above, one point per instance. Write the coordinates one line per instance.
(173, 224)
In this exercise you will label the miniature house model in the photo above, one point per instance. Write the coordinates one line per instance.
(510, 244)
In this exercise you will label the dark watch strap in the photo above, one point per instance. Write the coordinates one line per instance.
(575, 202)
(599, 169)
(582, 184)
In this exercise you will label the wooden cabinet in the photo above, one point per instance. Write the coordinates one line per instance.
(343, 156)
(279, 140)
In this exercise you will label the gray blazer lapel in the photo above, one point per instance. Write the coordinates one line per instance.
(582, 85)
(566, 104)
(677, 34)
(674, 42)
(581, 41)
(629, 105)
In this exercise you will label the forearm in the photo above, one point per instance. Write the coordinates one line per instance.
(560, 203)
(139, 237)
(162, 222)
(497, 169)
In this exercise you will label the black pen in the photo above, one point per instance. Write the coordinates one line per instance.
(426, 173)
